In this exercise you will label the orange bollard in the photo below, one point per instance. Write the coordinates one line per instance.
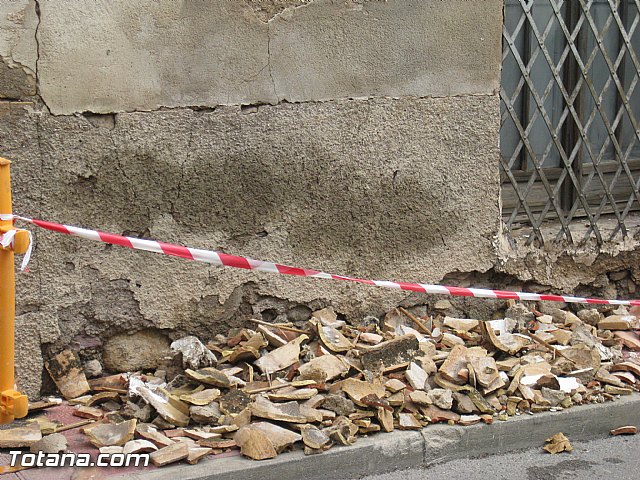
(12, 403)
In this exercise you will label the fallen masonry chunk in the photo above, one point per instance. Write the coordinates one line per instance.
(323, 369)
(194, 354)
(466, 420)
(281, 357)
(139, 446)
(616, 322)
(385, 417)
(460, 323)
(110, 434)
(210, 376)
(88, 412)
(333, 339)
(250, 350)
(67, 373)
(150, 433)
(197, 453)
(280, 412)
(254, 444)
(234, 402)
(358, 389)
(372, 338)
(54, 443)
(408, 421)
(631, 340)
(338, 404)
(327, 316)
(558, 443)
(292, 394)
(204, 397)
(20, 436)
(280, 438)
(436, 415)
(455, 363)
(217, 443)
(206, 414)
(416, 376)
(627, 367)
(164, 407)
(392, 352)
(315, 438)
(627, 430)
(173, 453)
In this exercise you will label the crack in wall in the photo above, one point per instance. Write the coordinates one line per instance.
(273, 82)
(37, 40)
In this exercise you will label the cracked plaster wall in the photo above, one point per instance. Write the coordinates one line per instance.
(384, 167)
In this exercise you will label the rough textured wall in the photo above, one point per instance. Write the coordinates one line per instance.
(392, 175)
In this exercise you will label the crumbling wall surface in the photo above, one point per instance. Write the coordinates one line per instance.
(354, 136)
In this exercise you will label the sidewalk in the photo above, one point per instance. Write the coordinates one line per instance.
(374, 454)
(398, 450)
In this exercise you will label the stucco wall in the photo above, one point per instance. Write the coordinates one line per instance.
(357, 137)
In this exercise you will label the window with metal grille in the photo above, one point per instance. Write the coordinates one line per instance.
(570, 140)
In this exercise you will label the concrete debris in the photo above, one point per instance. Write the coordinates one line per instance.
(194, 354)
(326, 382)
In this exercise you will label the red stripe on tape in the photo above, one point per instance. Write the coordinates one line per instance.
(234, 261)
(176, 250)
(553, 298)
(115, 239)
(597, 302)
(459, 291)
(505, 295)
(285, 270)
(56, 227)
(413, 287)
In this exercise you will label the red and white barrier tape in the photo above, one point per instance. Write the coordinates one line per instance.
(224, 259)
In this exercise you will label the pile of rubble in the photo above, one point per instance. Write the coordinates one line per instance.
(324, 383)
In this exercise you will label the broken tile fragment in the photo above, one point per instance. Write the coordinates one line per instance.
(139, 446)
(67, 373)
(171, 454)
(323, 369)
(416, 376)
(281, 357)
(392, 352)
(358, 389)
(197, 453)
(626, 430)
(54, 443)
(210, 376)
(408, 421)
(20, 436)
(110, 434)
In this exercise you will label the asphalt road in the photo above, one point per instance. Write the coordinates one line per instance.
(613, 458)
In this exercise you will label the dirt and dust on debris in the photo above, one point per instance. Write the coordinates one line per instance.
(323, 383)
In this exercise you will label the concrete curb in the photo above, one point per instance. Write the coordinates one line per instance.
(400, 450)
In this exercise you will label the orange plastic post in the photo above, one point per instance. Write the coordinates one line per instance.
(12, 403)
